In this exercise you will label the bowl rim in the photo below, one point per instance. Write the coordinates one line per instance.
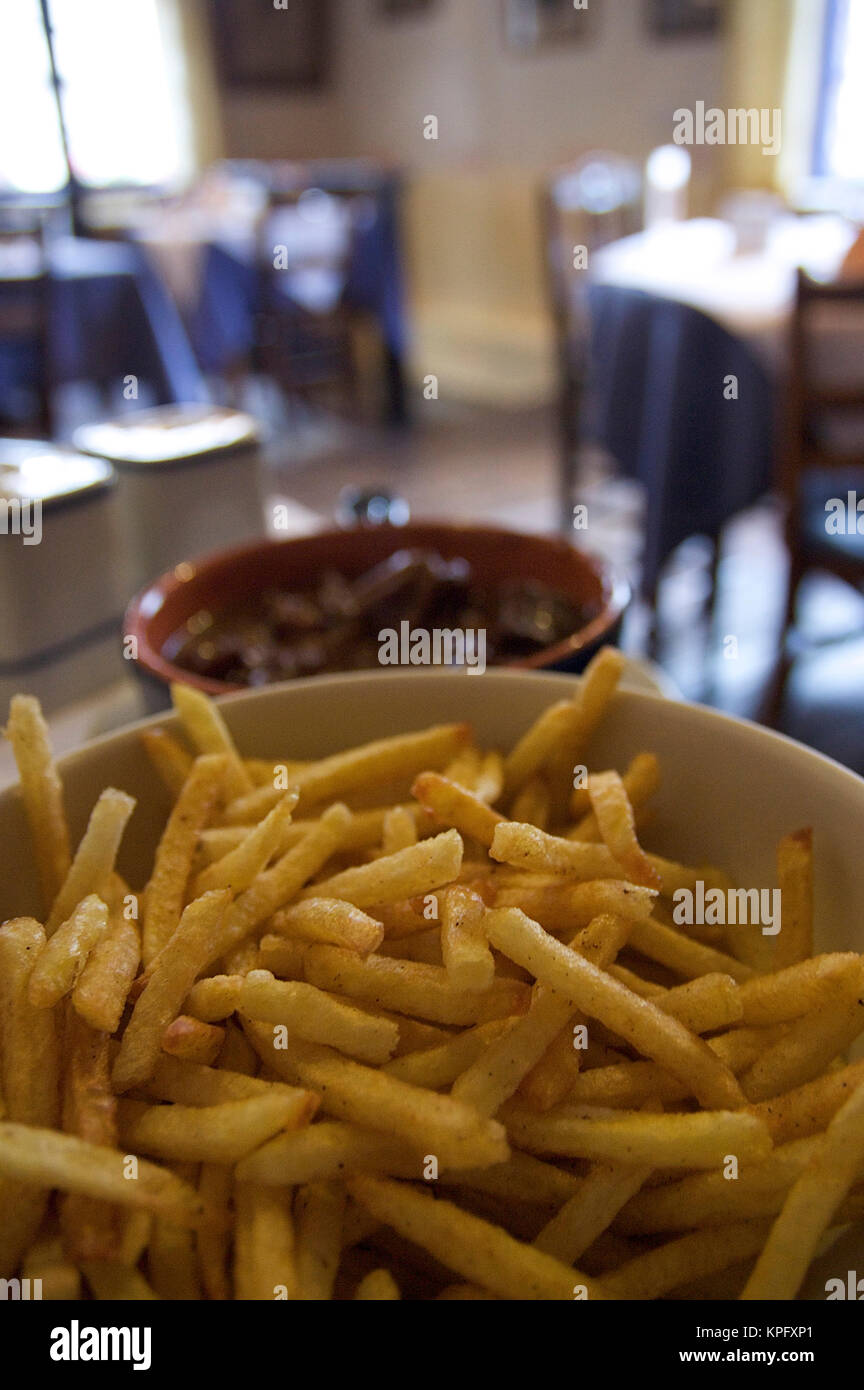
(711, 718)
(616, 591)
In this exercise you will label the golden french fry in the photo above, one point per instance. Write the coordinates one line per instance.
(560, 909)
(378, 1286)
(166, 890)
(438, 1066)
(388, 758)
(611, 806)
(94, 859)
(41, 791)
(265, 1254)
(641, 781)
(311, 1014)
(193, 1083)
(320, 1211)
(456, 806)
(532, 803)
(221, 1133)
(685, 1260)
(374, 1100)
(192, 1041)
(411, 987)
(172, 1264)
(44, 1157)
(399, 830)
(409, 873)
(331, 921)
(238, 869)
(591, 1210)
(327, 1150)
(683, 955)
(656, 1035)
(103, 986)
(64, 956)
(170, 759)
(173, 973)
(208, 733)
(91, 1229)
(277, 885)
(465, 951)
(794, 941)
(282, 956)
(811, 1043)
(111, 1282)
(29, 1072)
(808, 1108)
(214, 998)
(796, 989)
(213, 1243)
(810, 1206)
(480, 1252)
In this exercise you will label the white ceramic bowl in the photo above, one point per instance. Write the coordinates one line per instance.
(729, 789)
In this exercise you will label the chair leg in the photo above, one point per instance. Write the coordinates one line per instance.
(772, 706)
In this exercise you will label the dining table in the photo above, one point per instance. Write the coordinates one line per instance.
(109, 317)
(688, 330)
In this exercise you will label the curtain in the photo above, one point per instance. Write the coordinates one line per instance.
(190, 49)
(774, 56)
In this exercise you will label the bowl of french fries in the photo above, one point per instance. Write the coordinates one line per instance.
(418, 986)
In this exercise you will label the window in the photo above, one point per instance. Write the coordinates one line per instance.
(120, 63)
(839, 151)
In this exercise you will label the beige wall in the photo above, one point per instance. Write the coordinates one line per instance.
(471, 223)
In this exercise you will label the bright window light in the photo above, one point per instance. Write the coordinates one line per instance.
(840, 153)
(124, 104)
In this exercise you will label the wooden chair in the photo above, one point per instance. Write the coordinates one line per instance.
(822, 459)
(308, 350)
(25, 377)
(590, 203)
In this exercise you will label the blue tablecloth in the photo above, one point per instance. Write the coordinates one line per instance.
(222, 323)
(656, 402)
(110, 316)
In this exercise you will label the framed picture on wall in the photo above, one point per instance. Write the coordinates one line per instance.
(261, 45)
(673, 18)
(529, 23)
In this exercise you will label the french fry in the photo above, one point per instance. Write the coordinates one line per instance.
(611, 806)
(222, 1133)
(94, 859)
(378, 1286)
(320, 1211)
(464, 948)
(44, 1157)
(794, 941)
(560, 909)
(456, 806)
(327, 1150)
(318, 1017)
(64, 956)
(655, 1034)
(173, 973)
(591, 1210)
(111, 1282)
(374, 1100)
(808, 1108)
(91, 1229)
(810, 1206)
(214, 998)
(42, 793)
(208, 733)
(480, 1252)
(494, 1076)
(192, 1041)
(439, 1066)
(411, 987)
(684, 1260)
(389, 758)
(532, 803)
(683, 955)
(331, 921)
(29, 1072)
(641, 781)
(213, 1243)
(170, 759)
(192, 1083)
(282, 956)
(409, 873)
(265, 1259)
(399, 830)
(278, 884)
(796, 989)
(811, 1043)
(167, 887)
(171, 1262)
(103, 986)
(238, 869)
(700, 1140)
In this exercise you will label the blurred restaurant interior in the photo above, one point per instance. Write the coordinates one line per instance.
(592, 271)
